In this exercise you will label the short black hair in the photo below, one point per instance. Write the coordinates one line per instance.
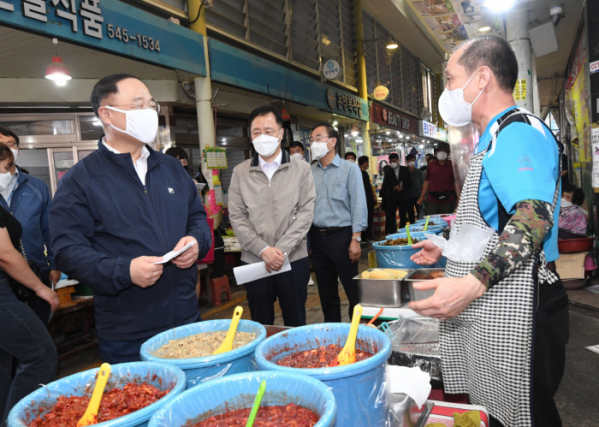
(106, 87)
(443, 146)
(265, 110)
(362, 160)
(296, 144)
(567, 188)
(177, 153)
(427, 155)
(393, 156)
(578, 197)
(8, 132)
(430, 159)
(350, 154)
(331, 131)
(410, 157)
(496, 53)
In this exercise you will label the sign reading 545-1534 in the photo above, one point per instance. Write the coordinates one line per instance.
(123, 35)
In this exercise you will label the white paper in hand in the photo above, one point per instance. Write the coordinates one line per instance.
(249, 273)
(174, 254)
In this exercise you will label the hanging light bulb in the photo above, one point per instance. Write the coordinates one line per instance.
(57, 71)
(391, 44)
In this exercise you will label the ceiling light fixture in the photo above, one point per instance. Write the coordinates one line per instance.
(335, 123)
(484, 29)
(391, 44)
(499, 5)
(57, 71)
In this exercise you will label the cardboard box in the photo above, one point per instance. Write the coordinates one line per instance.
(571, 266)
(65, 290)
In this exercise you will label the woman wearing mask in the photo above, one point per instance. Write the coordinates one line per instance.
(23, 335)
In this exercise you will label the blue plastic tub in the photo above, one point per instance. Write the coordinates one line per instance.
(396, 256)
(359, 389)
(238, 392)
(200, 369)
(418, 229)
(160, 375)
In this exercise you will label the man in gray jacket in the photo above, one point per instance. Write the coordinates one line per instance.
(271, 207)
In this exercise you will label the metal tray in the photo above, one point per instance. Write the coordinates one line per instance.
(415, 294)
(380, 292)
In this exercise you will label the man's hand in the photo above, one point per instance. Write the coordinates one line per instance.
(429, 254)
(49, 296)
(187, 258)
(452, 296)
(354, 251)
(420, 201)
(54, 277)
(144, 272)
(273, 258)
(398, 188)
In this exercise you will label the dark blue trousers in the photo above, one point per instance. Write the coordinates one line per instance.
(120, 351)
(290, 288)
(330, 258)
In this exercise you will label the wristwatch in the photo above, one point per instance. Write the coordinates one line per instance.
(357, 239)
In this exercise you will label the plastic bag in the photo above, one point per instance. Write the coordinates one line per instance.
(201, 369)
(238, 392)
(360, 389)
(466, 245)
(160, 375)
(415, 342)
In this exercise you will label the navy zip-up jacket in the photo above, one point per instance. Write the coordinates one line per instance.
(30, 204)
(102, 217)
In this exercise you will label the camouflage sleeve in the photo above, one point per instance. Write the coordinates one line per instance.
(522, 238)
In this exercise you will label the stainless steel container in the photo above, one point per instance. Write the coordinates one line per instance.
(380, 292)
(415, 294)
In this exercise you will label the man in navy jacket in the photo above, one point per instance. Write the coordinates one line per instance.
(28, 199)
(117, 211)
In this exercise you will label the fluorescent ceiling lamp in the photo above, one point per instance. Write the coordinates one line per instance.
(499, 5)
(421, 146)
(484, 29)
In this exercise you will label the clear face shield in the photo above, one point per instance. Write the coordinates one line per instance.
(462, 142)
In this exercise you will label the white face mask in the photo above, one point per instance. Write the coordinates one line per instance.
(453, 108)
(319, 150)
(297, 156)
(351, 160)
(412, 164)
(5, 180)
(266, 145)
(15, 153)
(442, 156)
(394, 165)
(141, 124)
(566, 204)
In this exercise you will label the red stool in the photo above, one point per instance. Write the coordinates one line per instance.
(217, 287)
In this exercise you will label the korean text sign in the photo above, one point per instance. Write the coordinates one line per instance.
(111, 26)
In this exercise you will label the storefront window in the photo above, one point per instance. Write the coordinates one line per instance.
(35, 162)
(41, 127)
(63, 161)
(353, 142)
(91, 128)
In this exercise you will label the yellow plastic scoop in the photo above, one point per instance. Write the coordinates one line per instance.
(348, 354)
(91, 414)
(227, 344)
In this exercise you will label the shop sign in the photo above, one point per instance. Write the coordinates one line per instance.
(594, 67)
(380, 93)
(431, 130)
(387, 117)
(112, 26)
(331, 69)
(344, 102)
